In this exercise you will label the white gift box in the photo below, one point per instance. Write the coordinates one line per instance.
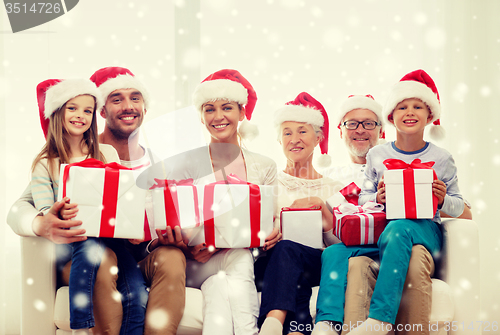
(226, 221)
(176, 206)
(402, 202)
(85, 186)
(303, 226)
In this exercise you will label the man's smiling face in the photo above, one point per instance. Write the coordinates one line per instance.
(360, 140)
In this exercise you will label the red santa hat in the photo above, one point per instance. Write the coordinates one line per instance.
(361, 102)
(113, 78)
(229, 85)
(304, 108)
(52, 94)
(417, 84)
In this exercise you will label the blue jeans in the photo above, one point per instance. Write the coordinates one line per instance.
(394, 248)
(86, 259)
(293, 269)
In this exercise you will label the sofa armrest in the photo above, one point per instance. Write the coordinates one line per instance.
(38, 286)
(459, 268)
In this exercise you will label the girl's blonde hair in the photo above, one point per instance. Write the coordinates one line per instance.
(57, 146)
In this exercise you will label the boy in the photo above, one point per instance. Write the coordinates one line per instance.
(413, 103)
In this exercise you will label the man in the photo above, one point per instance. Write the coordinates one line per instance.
(164, 268)
(361, 129)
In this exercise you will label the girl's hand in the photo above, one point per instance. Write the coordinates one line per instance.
(135, 241)
(173, 238)
(439, 190)
(272, 239)
(69, 210)
(381, 191)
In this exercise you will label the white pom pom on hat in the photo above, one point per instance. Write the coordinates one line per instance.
(304, 108)
(417, 84)
(229, 85)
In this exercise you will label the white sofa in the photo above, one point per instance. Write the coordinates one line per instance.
(455, 295)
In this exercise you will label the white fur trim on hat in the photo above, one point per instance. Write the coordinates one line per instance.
(360, 102)
(298, 114)
(219, 89)
(124, 81)
(408, 89)
(57, 95)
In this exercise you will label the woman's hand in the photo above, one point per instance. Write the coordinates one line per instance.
(272, 239)
(314, 202)
(439, 190)
(201, 253)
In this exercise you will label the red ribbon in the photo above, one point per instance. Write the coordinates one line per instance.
(409, 182)
(351, 193)
(208, 212)
(110, 191)
(172, 200)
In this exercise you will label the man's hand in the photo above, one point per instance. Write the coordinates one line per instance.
(381, 192)
(439, 190)
(272, 239)
(201, 253)
(51, 227)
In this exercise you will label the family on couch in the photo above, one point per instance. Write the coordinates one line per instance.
(285, 271)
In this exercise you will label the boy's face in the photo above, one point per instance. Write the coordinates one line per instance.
(410, 116)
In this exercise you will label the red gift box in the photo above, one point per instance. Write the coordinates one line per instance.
(359, 225)
(408, 189)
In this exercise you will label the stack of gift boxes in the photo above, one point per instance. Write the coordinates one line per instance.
(234, 213)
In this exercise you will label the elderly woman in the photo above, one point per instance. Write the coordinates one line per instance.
(293, 268)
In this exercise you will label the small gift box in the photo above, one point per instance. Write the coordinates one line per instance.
(302, 225)
(175, 203)
(109, 202)
(349, 194)
(359, 225)
(408, 190)
(235, 214)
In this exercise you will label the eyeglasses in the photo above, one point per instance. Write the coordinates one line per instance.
(368, 124)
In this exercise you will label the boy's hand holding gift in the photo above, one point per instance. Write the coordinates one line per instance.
(381, 191)
(439, 190)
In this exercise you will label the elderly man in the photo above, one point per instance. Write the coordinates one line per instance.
(164, 268)
(361, 128)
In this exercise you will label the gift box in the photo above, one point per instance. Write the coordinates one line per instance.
(359, 225)
(234, 214)
(349, 194)
(408, 190)
(109, 202)
(175, 203)
(302, 225)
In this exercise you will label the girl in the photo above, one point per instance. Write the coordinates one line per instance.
(67, 109)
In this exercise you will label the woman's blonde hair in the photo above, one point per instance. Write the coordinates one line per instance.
(57, 146)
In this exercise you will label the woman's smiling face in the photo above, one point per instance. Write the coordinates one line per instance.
(221, 118)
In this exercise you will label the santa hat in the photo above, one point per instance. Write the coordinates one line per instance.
(361, 102)
(52, 94)
(308, 110)
(229, 85)
(113, 78)
(417, 84)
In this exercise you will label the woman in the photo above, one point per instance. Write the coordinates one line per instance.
(225, 276)
(293, 269)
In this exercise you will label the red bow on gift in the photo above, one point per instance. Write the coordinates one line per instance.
(110, 192)
(172, 202)
(208, 212)
(409, 182)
